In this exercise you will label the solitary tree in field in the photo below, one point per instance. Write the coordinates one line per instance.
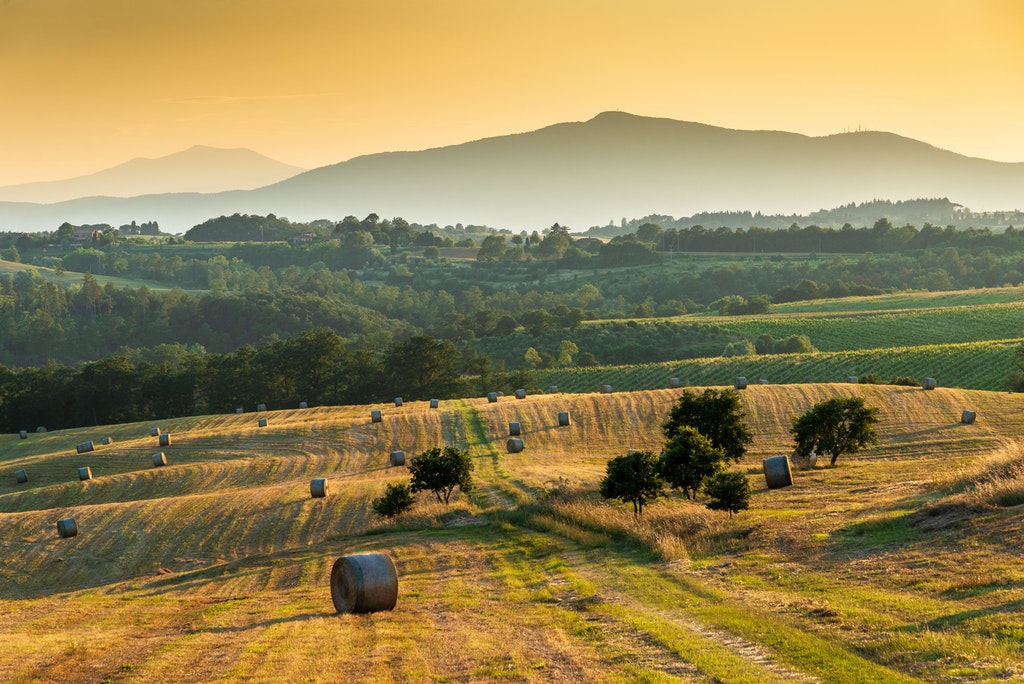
(717, 415)
(838, 426)
(688, 459)
(729, 491)
(441, 471)
(633, 478)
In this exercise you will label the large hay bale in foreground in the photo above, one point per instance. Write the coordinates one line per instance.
(67, 527)
(85, 473)
(968, 417)
(397, 458)
(23, 434)
(165, 439)
(514, 445)
(434, 403)
(520, 393)
(364, 583)
(375, 416)
(929, 383)
(318, 487)
(159, 459)
(20, 476)
(563, 418)
(777, 472)
(515, 429)
(84, 447)
(740, 383)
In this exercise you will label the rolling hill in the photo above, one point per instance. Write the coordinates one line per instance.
(583, 174)
(216, 567)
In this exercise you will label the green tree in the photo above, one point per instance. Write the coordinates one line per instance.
(842, 425)
(532, 358)
(717, 415)
(441, 471)
(688, 459)
(423, 367)
(491, 248)
(566, 350)
(633, 478)
(729, 491)
(397, 499)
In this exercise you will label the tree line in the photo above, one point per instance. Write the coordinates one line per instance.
(315, 366)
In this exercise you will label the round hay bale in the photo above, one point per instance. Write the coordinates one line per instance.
(20, 476)
(762, 381)
(159, 459)
(107, 440)
(66, 527)
(673, 383)
(520, 393)
(552, 389)
(303, 405)
(563, 418)
(968, 417)
(364, 583)
(515, 429)
(375, 416)
(852, 379)
(155, 432)
(501, 394)
(397, 458)
(262, 422)
(239, 410)
(261, 407)
(777, 472)
(40, 429)
(85, 473)
(23, 434)
(84, 447)
(492, 397)
(318, 487)
(929, 383)
(398, 401)
(606, 389)
(514, 445)
(165, 439)
(740, 383)
(434, 403)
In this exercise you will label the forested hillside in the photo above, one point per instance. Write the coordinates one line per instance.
(192, 316)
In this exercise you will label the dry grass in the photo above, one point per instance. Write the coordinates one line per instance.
(901, 562)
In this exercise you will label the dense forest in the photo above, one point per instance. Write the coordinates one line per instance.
(509, 301)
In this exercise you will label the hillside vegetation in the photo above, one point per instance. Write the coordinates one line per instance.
(900, 564)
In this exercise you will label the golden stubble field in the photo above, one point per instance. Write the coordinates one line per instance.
(216, 567)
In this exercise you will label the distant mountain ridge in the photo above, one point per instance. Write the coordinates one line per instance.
(198, 169)
(614, 166)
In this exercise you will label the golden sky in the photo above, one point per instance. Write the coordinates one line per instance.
(87, 84)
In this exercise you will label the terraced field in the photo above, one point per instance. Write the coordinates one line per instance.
(216, 567)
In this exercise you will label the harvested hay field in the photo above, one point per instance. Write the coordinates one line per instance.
(900, 564)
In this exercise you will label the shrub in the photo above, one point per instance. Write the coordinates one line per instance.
(397, 499)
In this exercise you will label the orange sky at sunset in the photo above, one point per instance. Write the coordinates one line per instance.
(87, 84)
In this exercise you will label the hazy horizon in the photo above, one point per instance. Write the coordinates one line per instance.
(89, 85)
